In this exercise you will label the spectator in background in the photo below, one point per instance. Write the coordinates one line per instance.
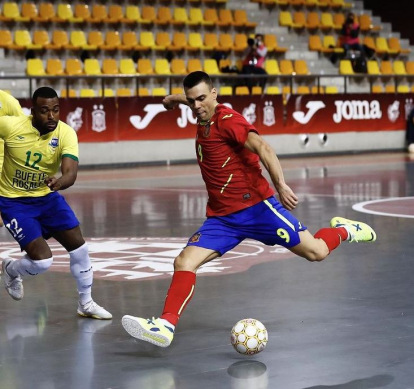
(254, 58)
(349, 37)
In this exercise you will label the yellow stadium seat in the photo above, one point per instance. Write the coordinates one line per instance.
(162, 66)
(54, 67)
(377, 89)
(365, 24)
(162, 39)
(144, 66)
(241, 19)
(92, 67)
(395, 45)
(240, 43)
(338, 20)
(67, 93)
(143, 92)
(147, 41)
(242, 91)
(46, 12)
(409, 67)
(226, 91)
(29, 10)
(87, 92)
(272, 67)
(315, 43)
(303, 90)
(331, 90)
(257, 90)
(78, 41)
(99, 14)
(327, 22)
(398, 68)
(160, 91)
(60, 39)
(196, 18)
(82, 11)
(225, 18)
(149, 14)
(34, 67)
(403, 89)
(345, 67)
(225, 42)
(96, 39)
(6, 41)
(312, 21)
(127, 66)
(285, 19)
(195, 42)
(112, 41)
(298, 20)
(315, 90)
(73, 67)
(381, 45)
(194, 64)
(178, 66)
(177, 91)
(390, 88)
(107, 92)
(386, 68)
(164, 16)
(110, 66)
(211, 16)
(211, 40)
(286, 67)
(272, 45)
(129, 41)
(301, 67)
(330, 45)
(179, 41)
(180, 17)
(123, 92)
(211, 67)
(273, 90)
(115, 14)
(373, 68)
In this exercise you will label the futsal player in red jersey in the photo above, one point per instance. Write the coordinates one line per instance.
(241, 204)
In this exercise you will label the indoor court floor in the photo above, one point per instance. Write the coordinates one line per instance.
(344, 323)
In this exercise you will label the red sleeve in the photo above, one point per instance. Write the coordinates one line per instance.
(235, 128)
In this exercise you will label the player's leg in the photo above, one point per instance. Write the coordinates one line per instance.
(81, 269)
(212, 240)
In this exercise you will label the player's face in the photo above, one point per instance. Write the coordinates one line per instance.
(202, 101)
(45, 114)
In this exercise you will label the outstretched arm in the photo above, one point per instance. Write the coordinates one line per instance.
(69, 169)
(172, 101)
(257, 145)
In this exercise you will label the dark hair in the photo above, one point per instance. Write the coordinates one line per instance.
(196, 78)
(45, 92)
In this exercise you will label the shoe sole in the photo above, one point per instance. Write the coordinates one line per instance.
(3, 270)
(93, 316)
(132, 326)
(348, 221)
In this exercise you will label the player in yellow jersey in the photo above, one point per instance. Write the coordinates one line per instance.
(31, 207)
(9, 106)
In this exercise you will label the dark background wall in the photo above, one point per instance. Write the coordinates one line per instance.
(398, 12)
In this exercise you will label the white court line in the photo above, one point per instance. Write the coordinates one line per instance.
(360, 207)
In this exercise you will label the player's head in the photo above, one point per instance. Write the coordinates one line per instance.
(45, 109)
(200, 94)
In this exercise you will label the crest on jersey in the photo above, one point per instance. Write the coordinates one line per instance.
(98, 118)
(54, 142)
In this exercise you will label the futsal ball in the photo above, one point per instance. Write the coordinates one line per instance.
(249, 336)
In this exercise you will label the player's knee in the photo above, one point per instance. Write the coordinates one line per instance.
(315, 256)
(40, 266)
(183, 263)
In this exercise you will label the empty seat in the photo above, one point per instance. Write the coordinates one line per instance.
(115, 14)
(373, 68)
(92, 67)
(73, 67)
(178, 66)
(159, 91)
(286, 67)
(110, 66)
(11, 12)
(395, 45)
(386, 68)
(272, 45)
(194, 64)
(54, 67)
(366, 25)
(403, 89)
(242, 91)
(273, 90)
(301, 67)
(144, 66)
(23, 38)
(241, 19)
(226, 91)
(123, 92)
(211, 67)
(65, 14)
(67, 93)
(272, 67)
(107, 92)
(164, 16)
(332, 89)
(162, 66)
(6, 41)
(133, 16)
(99, 14)
(34, 67)
(87, 92)
(399, 68)
(127, 66)
(345, 67)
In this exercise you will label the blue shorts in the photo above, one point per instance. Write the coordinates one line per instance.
(28, 218)
(268, 222)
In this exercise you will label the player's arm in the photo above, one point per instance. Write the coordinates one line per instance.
(69, 170)
(172, 101)
(257, 145)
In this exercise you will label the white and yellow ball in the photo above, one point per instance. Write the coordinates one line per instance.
(249, 336)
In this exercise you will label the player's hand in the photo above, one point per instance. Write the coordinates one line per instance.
(52, 183)
(287, 197)
(169, 102)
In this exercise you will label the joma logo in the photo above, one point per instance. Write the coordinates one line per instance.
(357, 110)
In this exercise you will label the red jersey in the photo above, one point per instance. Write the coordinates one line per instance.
(231, 172)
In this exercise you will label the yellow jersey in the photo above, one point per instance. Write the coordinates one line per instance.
(30, 157)
(9, 106)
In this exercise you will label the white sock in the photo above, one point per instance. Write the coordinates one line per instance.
(167, 323)
(81, 269)
(26, 267)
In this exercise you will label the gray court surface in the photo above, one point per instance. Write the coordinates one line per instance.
(344, 323)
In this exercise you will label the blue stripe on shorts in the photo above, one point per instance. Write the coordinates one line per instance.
(267, 222)
(28, 218)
